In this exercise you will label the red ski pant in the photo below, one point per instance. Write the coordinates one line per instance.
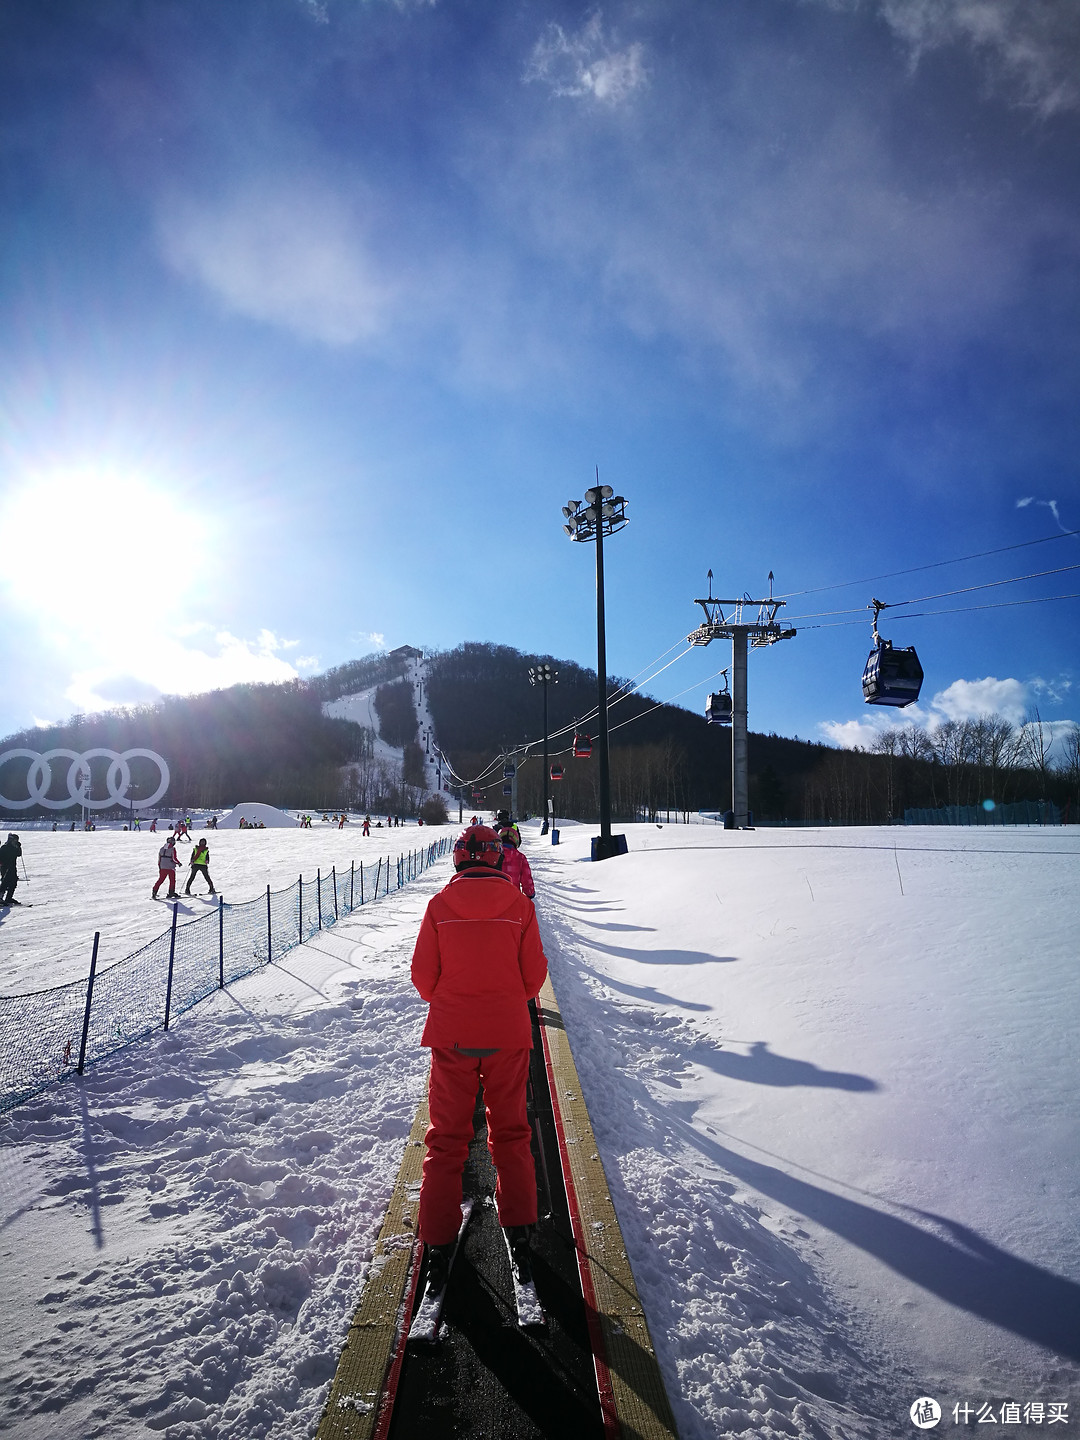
(166, 877)
(451, 1102)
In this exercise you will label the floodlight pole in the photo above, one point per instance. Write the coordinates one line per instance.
(601, 688)
(604, 513)
(764, 631)
(544, 675)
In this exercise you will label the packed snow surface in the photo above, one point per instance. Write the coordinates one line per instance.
(82, 882)
(833, 1076)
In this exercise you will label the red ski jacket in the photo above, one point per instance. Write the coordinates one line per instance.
(478, 961)
(517, 868)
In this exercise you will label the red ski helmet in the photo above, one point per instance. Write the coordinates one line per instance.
(478, 845)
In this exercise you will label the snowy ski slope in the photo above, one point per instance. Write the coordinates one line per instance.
(833, 1082)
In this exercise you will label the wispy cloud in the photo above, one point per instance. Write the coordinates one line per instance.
(1051, 505)
(287, 250)
(1030, 48)
(587, 63)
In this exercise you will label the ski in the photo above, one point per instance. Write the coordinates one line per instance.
(526, 1301)
(428, 1318)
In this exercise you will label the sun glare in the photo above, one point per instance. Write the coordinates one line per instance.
(77, 543)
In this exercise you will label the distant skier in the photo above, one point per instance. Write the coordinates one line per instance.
(153, 826)
(514, 863)
(9, 869)
(365, 828)
(478, 962)
(200, 865)
(166, 869)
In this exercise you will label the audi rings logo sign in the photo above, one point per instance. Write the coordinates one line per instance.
(117, 778)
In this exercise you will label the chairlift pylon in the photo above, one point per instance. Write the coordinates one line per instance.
(891, 676)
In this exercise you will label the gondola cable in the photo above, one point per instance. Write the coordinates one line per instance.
(934, 565)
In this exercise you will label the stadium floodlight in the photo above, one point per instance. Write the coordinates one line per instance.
(604, 514)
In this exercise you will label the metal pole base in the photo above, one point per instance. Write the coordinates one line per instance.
(606, 847)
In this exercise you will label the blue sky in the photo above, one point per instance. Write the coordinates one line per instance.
(315, 312)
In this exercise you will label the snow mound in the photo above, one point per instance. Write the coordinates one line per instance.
(255, 813)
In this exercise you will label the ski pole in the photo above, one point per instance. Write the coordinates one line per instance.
(25, 876)
(543, 1157)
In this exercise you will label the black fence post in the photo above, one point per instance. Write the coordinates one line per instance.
(361, 882)
(172, 954)
(269, 931)
(301, 939)
(352, 884)
(89, 998)
(318, 892)
(221, 942)
(333, 876)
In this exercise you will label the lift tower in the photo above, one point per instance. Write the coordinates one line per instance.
(765, 630)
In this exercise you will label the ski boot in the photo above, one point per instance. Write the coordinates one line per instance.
(438, 1259)
(519, 1243)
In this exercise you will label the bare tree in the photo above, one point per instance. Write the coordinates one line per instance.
(1038, 741)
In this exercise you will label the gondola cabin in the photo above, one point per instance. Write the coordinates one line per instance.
(718, 708)
(508, 789)
(891, 676)
(556, 771)
(582, 747)
(509, 770)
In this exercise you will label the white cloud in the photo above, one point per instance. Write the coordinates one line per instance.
(851, 734)
(962, 700)
(172, 668)
(307, 662)
(968, 699)
(586, 63)
(290, 252)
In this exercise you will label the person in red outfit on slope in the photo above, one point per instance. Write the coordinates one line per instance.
(514, 863)
(478, 962)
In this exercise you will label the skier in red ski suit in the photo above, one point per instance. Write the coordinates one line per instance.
(478, 962)
(514, 863)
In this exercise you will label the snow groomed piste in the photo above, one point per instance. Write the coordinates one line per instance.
(46, 1036)
(589, 1371)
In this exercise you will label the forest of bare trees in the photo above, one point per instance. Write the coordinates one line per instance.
(956, 763)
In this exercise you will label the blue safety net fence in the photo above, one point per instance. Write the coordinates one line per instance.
(1022, 812)
(51, 1034)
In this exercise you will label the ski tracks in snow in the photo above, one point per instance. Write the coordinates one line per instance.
(212, 1197)
(751, 1342)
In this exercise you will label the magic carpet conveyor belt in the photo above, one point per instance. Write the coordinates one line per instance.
(589, 1372)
